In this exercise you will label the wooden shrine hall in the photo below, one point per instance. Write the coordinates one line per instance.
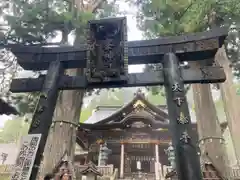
(137, 135)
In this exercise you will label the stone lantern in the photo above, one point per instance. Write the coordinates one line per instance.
(171, 158)
(104, 153)
(171, 155)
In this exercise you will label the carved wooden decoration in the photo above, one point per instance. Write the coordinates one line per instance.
(107, 50)
(138, 103)
(139, 124)
(106, 57)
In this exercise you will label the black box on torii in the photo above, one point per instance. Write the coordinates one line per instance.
(106, 57)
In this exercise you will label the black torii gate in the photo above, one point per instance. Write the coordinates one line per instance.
(106, 57)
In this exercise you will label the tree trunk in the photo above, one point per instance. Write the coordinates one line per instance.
(209, 127)
(230, 101)
(63, 135)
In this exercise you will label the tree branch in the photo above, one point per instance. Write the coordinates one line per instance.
(96, 5)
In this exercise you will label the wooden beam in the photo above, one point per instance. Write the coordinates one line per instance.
(191, 47)
(207, 74)
(7, 109)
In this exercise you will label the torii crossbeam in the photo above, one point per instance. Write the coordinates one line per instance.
(106, 57)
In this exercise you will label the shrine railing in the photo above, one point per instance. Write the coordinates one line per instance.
(106, 170)
(234, 173)
(139, 176)
(115, 174)
(165, 171)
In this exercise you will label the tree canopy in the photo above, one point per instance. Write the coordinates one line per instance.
(161, 18)
(157, 18)
(39, 22)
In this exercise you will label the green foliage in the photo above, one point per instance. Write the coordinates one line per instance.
(38, 21)
(109, 9)
(166, 18)
(25, 102)
(161, 18)
(109, 97)
(158, 98)
(85, 114)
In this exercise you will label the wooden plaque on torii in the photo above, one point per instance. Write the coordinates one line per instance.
(106, 57)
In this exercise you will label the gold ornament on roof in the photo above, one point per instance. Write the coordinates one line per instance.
(139, 103)
(100, 141)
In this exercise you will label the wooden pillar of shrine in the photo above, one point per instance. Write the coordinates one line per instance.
(157, 153)
(157, 162)
(122, 161)
(99, 155)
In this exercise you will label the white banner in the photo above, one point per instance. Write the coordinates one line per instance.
(26, 156)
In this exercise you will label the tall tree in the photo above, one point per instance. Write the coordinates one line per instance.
(230, 101)
(68, 109)
(35, 22)
(161, 18)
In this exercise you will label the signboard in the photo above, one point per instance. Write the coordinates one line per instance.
(107, 54)
(26, 156)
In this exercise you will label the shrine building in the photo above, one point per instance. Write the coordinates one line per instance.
(137, 136)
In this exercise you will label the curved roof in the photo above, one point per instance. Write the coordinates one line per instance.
(139, 97)
(138, 109)
(138, 114)
(144, 117)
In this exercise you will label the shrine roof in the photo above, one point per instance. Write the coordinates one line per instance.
(138, 107)
(101, 113)
(137, 115)
(91, 168)
(122, 117)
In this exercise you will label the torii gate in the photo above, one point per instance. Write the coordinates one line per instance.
(106, 56)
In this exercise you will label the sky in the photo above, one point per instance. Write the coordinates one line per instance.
(134, 33)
